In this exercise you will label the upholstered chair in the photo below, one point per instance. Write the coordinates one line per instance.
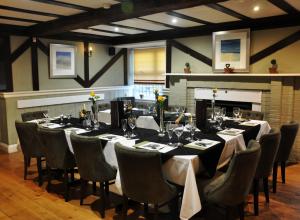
(288, 136)
(269, 146)
(28, 116)
(31, 146)
(231, 189)
(92, 165)
(58, 155)
(254, 115)
(148, 189)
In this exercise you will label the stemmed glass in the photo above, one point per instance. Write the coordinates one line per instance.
(47, 120)
(179, 131)
(192, 130)
(132, 123)
(69, 119)
(124, 126)
(62, 119)
(236, 112)
(170, 129)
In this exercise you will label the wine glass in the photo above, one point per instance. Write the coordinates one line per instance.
(124, 126)
(62, 119)
(69, 119)
(179, 131)
(236, 112)
(170, 129)
(132, 124)
(192, 130)
(47, 120)
(188, 127)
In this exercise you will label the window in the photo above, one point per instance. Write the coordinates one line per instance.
(149, 65)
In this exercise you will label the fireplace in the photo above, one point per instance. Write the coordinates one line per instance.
(229, 105)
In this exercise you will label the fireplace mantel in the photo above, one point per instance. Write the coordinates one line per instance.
(235, 74)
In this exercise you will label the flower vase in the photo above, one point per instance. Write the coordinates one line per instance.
(95, 112)
(161, 132)
(213, 109)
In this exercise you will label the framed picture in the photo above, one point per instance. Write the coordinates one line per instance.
(62, 61)
(231, 49)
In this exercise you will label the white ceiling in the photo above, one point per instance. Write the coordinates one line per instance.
(89, 31)
(137, 23)
(119, 29)
(90, 3)
(9, 13)
(294, 3)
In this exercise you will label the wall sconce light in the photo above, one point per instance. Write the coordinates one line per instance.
(90, 51)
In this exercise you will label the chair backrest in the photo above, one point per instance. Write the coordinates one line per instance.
(232, 188)
(141, 175)
(30, 142)
(288, 136)
(90, 160)
(255, 115)
(28, 116)
(269, 144)
(56, 148)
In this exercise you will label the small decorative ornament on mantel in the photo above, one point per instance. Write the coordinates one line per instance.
(187, 68)
(274, 67)
(228, 69)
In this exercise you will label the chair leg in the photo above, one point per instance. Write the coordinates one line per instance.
(241, 211)
(155, 212)
(125, 207)
(40, 171)
(266, 188)
(274, 181)
(146, 210)
(66, 183)
(72, 175)
(174, 208)
(83, 186)
(102, 194)
(255, 195)
(49, 177)
(25, 167)
(282, 164)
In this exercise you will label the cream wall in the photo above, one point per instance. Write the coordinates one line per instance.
(287, 58)
(21, 68)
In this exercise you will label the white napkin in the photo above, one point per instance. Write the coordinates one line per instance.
(162, 148)
(52, 125)
(231, 131)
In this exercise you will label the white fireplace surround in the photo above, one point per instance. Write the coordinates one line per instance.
(234, 95)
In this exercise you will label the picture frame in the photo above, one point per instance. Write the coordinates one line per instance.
(62, 61)
(231, 49)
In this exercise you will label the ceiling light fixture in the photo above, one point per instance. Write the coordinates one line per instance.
(256, 8)
(116, 29)
(174, 20)
(106, 6)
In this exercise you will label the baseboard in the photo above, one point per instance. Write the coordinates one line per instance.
(12, 148)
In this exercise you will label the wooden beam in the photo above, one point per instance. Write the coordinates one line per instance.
(106, 31)
(191, 52)
(7, 64)
(6, 30)
(20, 19)
(114, 14)
(285, 6)
(183, 16)
(63, 4)
(80, 81)
(107, 66)
(125, 67)
(43, 47)
(21, 49)
(34, 65)
(160, 23)
(168, 62)
(30, 11)
(228, 11)
(86, 64)
(75, 36)
(128, 27)
(254, 24)
(275, 47)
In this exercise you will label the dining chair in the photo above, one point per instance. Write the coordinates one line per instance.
(92, 166)
(28, 116)
(254, 115)
(230, 189)
(31, 146)
(269, 146)
(58, 155)
(142, 180)
(288, 136)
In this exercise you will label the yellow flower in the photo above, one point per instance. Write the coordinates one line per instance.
(161, 98)
(92, 93)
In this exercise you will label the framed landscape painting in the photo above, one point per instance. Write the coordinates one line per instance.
(231, 49)
(62, 61)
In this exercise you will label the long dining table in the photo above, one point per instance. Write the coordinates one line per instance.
(180, 165)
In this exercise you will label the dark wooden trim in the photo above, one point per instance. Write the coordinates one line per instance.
(107, 66)
(283, 5)
(43, 47)
(74, 36)
(125, 67)
(186, 17)
(168, 61)
(6, 30)
(34, 65)
(114, 14)
(227, 11)
(86, 64)
(161, 82)
(106, 31)
(20, 19)
(8, 66)
(191, 52)
(66, 5)
(80, 81)
(21, 49)
(275, 47)
(160, 23)
(30, 11)
(128, 27)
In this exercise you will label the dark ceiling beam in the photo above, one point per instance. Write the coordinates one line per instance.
(30, 11)
(74, 36)
(283, 5)
(228, 11)
(159, 23)
(186, 17)
(63, 4)
(6, 29)
(253, 24)
(20, 19)
(106, 31)
(128, 27)
(114, 14)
